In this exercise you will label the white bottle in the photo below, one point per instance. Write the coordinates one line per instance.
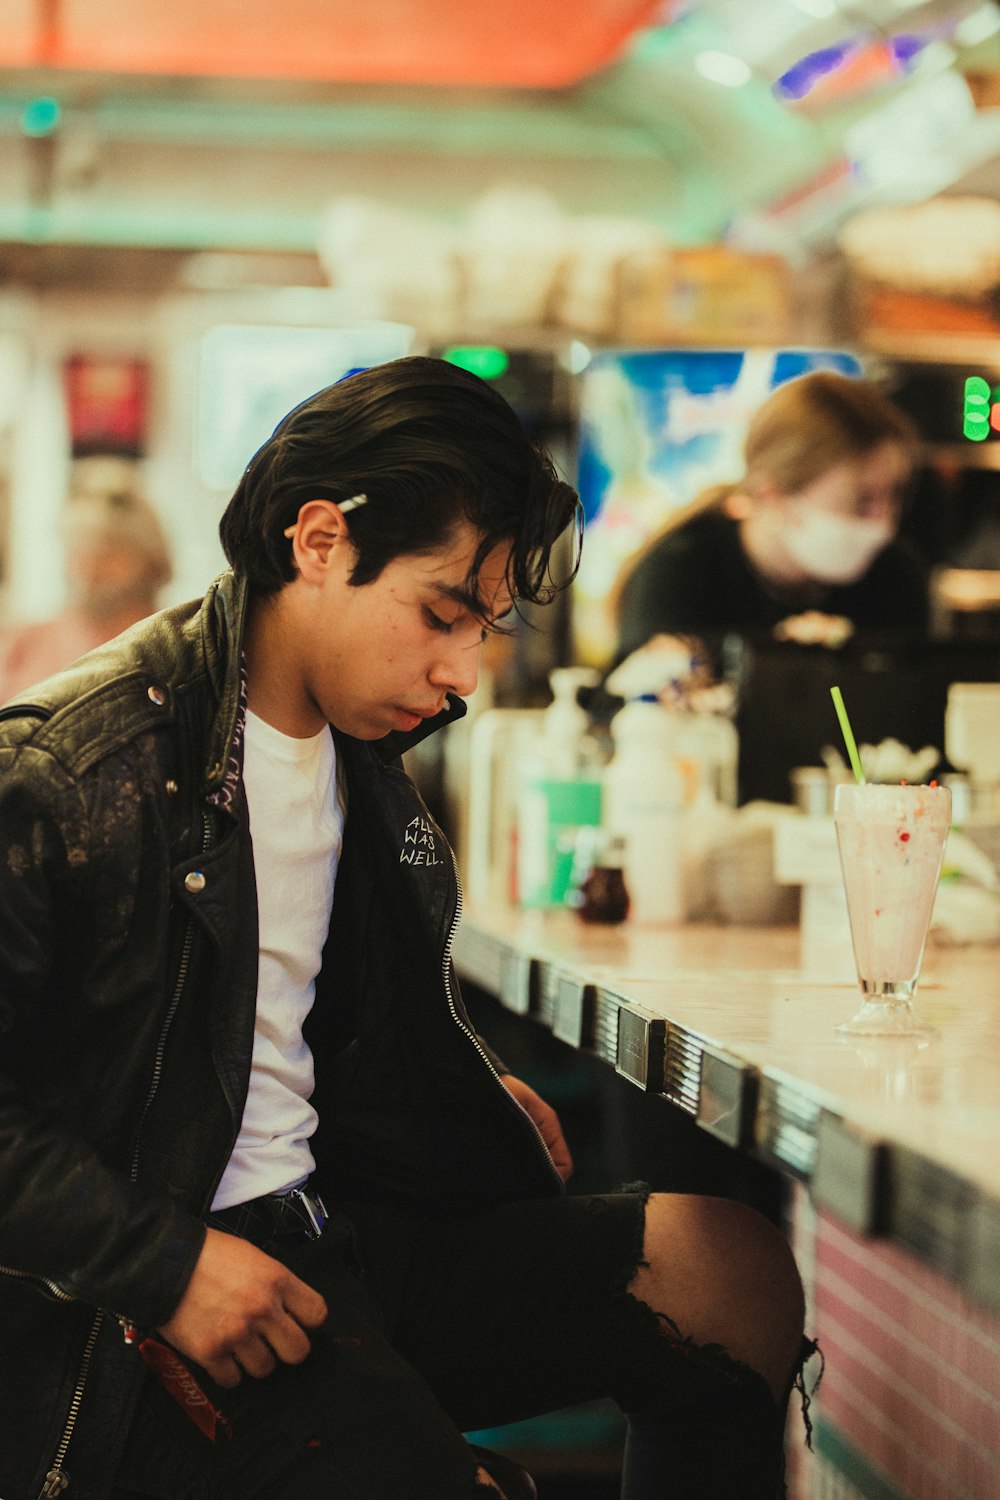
(565, 724)
(644, 804)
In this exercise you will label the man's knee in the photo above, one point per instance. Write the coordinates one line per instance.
(724, 1274)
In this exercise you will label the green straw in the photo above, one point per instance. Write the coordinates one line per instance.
(845, 726)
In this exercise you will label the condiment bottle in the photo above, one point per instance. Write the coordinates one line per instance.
(602, 896)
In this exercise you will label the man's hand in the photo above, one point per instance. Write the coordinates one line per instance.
(243, 1311)
(545, 1119)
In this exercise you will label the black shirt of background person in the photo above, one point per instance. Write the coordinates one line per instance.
(699, 581)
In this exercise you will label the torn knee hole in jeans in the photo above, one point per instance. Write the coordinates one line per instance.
(715, 1362)
(621, 1281)
(640, 1313)
(808, 1349)
(711, 1360)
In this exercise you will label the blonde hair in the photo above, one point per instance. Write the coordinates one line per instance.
(804, 428)
(810, 424)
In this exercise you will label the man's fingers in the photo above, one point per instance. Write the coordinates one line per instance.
(289, 1342)
(277, 1338)
(224, 1371)
(305, 1304)
(260, 1347)
(255, 1357)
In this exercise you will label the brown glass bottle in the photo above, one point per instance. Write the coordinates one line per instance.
(602, 896)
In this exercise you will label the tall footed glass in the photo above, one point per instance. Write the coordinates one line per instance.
(891, 841)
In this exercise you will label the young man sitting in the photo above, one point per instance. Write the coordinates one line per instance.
(276, 1220)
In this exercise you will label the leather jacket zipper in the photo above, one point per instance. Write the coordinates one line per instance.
(57, 1479)
(52, 1287)
(446, 967)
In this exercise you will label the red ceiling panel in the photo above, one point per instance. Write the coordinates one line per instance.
(490, 43)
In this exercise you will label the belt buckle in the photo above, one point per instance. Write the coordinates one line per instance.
(314, 1207)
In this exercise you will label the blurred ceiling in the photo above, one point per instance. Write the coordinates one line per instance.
(508, 43)
(173, 132)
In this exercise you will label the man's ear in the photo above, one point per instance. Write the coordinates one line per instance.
(318, 536)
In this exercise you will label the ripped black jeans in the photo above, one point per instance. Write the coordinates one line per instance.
(440, 1326)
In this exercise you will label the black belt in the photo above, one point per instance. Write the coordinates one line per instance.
(298, 1214)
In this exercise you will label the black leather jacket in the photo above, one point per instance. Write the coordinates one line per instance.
(128, 966)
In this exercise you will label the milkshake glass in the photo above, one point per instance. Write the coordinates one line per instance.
(891, 841)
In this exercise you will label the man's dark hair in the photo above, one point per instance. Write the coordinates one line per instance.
(429, 445)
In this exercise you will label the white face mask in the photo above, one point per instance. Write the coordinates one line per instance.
(835, 548)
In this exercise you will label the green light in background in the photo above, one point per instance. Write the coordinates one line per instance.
(484, 360)
(976, 419)
(40, 116)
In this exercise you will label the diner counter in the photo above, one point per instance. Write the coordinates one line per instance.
(898, 1138)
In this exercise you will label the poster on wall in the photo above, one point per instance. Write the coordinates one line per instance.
(656, 427)
(107, 404)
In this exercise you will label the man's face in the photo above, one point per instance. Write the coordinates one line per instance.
(382, 656)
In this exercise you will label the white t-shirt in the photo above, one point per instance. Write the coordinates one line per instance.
(297, 825)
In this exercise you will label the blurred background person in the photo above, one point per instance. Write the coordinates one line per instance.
(116, 560)
(808, 535)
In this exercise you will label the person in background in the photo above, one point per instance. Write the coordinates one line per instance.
(805, 545)
(276, 1220)
(116, 561)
